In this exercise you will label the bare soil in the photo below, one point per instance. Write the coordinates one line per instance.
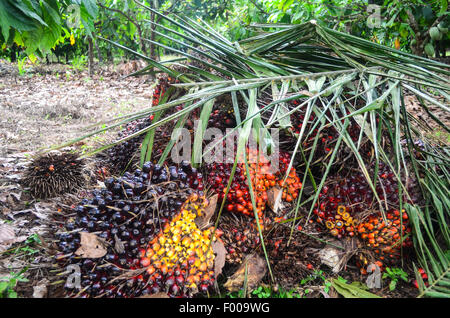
(53, 104)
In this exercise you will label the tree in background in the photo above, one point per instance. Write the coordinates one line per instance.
(39, 25)
(406, 25)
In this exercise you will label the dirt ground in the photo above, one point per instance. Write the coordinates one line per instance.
(53, 104)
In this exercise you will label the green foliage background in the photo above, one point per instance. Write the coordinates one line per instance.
(37, 26)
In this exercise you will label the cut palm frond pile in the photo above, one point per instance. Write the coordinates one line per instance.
(338, 101)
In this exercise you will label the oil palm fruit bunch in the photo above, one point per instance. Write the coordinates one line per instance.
(387, 236)
(263, 178)
(127, 214)
(121, 155)
(222, 118)
(164, 82)
(239, 237)
(180, 260)
(222, 115)
(54, 174)
(342, 201)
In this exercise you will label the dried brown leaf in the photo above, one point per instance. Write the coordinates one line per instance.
(203, 221)
(274, 198)
(91, 246)
(119, 247)
(219, 260)
(7, 236)
(256, 268)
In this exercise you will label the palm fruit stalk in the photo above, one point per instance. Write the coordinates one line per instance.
(54, 174)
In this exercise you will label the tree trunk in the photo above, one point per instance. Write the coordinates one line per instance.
(91, 56)
(99, 53)
(152, 36)
(109, 55)
(13, 54)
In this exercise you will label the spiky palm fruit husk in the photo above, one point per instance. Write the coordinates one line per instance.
(182, 254)
(128, 213)
(262, 177)
(239, 236)
(54, 174)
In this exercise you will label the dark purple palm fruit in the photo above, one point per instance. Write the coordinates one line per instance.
(127, 214)
(222, 115)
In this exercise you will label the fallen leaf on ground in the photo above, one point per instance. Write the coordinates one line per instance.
(331, 257)
(118, 245)
(353, 290)
(203, 221)
(7, 237)
(274, 198)
(91, 246)
(43, 209)
(40, 290)
(219, 260)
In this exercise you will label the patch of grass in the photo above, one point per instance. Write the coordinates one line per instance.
(266, 292)
(8, 283)
(394, 274)
(28, 248)
(79, 62)
(442, 136)
(316, 278)
(21, 66)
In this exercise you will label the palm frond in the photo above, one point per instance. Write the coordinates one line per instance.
(338, 80)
